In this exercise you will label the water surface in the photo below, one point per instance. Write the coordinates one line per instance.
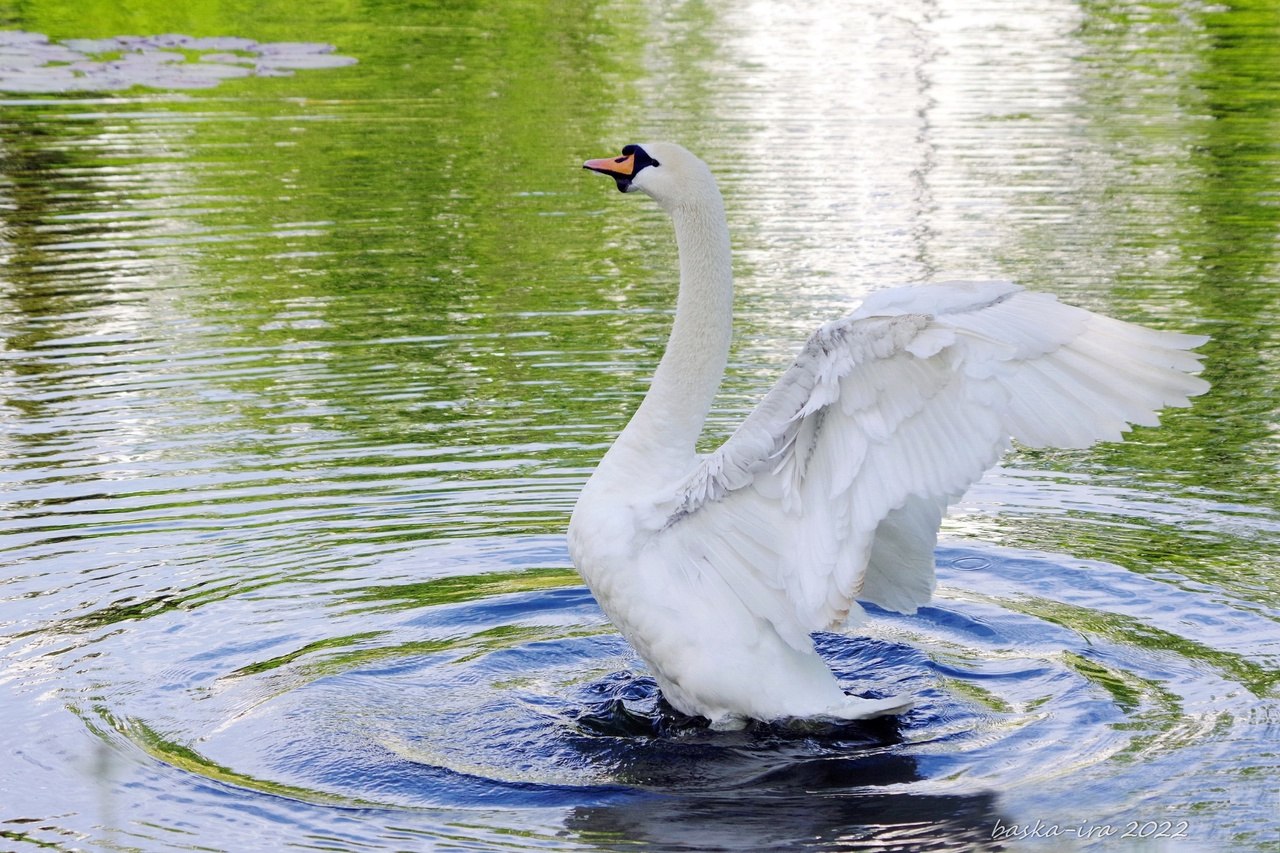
(301, 374)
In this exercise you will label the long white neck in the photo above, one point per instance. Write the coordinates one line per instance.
(662, 434)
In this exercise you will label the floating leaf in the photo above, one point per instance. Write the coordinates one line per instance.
(31, 63)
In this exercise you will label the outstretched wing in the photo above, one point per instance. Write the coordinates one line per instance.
(833, 489)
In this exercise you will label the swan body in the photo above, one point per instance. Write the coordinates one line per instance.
(717, 567)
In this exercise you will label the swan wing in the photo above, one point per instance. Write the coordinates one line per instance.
(833, 489)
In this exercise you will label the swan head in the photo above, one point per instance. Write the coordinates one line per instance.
(663, 170)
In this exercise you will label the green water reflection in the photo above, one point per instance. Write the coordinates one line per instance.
(417, 222)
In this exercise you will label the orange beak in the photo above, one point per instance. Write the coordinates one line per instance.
(623, 167)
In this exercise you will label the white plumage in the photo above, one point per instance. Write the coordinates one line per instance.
(717, 567)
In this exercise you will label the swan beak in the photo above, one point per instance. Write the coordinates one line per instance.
(621, 169)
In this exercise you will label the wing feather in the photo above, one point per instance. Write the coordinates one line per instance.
(833, 489)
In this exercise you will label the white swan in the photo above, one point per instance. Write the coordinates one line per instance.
(717, 567)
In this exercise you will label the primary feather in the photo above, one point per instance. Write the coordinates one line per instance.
(718, 567)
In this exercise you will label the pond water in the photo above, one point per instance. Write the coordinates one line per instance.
(302, 369)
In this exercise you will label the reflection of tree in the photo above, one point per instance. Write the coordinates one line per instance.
(388, 259)
(35, 181)
(38, 180)
(1232, 226)
(1189, 122)
(1166, 156)
(407, 241)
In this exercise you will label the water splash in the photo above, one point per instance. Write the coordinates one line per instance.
(31, 63)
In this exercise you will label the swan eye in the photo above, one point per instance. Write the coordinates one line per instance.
(643, 157)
